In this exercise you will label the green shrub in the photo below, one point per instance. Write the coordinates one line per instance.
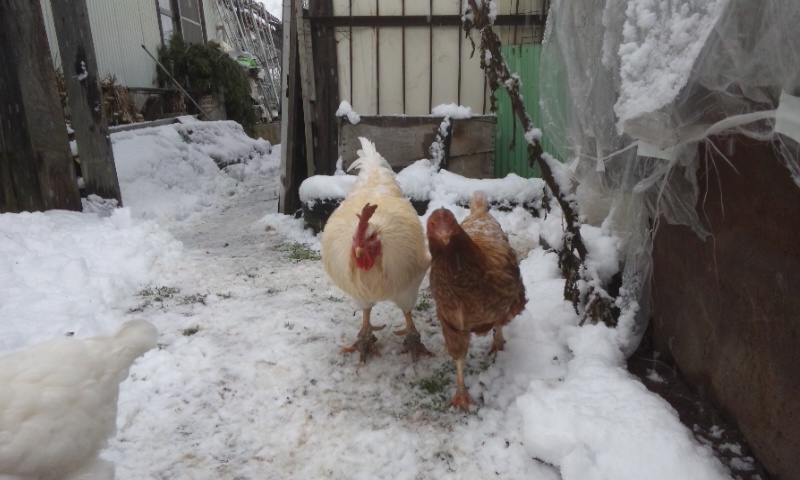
(205, 70)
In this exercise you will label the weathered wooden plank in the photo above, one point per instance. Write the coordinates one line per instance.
(472, 147)
(292, 146)
(307, 88)
(85, 98)
(402, 140)
(36, 169)
(327, 89)
(473, 135)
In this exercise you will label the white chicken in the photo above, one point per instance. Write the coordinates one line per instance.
(373, 248)
(58, 403)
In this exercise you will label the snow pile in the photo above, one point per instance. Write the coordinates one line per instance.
(661, 42)
(324, 187)
(73, 272)
(591, 421)
(345, 110)
(422, 181)
(452, 110)
(171, 170)
(224, 141)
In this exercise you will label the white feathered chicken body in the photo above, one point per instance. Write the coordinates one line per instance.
(373, 246)
(58, 401)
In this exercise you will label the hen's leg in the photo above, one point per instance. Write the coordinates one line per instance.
(461, 399)
(365, 342)
(412, 342)
(498, 341)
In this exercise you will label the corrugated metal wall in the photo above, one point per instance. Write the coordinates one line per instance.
(511, 154)
(119, 28)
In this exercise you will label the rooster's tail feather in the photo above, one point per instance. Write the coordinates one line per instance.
(368, 157)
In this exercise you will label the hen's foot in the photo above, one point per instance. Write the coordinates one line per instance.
(462, 400)
(365, 345)
(413, 344)
(498, 342)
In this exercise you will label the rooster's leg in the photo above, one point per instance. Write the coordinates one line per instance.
(461, 399)
(412, 342)
(365, 343)
(498, 341)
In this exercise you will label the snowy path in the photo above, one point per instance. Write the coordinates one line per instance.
(248, 381)
(285, 402)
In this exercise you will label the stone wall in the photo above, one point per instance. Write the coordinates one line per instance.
(727, 310)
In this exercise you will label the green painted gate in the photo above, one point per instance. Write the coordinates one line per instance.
(511, 153)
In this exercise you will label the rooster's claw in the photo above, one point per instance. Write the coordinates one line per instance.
(365, 346)
(413, 344)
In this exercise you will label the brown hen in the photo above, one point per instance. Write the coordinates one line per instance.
(475, 281)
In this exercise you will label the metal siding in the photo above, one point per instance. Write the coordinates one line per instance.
(212, 20)
(511, 153)
(119, 27)
(50, 27)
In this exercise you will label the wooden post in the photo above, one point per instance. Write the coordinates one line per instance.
(36, 169)
(307, 88)
(291, 149)
(327, 89)
(75, 43)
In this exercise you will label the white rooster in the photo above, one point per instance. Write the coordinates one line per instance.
(373, 248)
(58, 403)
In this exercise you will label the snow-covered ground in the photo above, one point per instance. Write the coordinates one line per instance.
(248, 381)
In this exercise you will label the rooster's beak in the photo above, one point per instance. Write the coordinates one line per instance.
(358, 252)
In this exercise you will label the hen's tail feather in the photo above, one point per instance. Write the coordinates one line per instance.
(478, 203)
(368, 156)
(132, 340)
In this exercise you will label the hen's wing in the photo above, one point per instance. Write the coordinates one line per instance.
(58, 402)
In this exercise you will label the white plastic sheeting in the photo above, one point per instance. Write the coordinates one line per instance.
(629, 88)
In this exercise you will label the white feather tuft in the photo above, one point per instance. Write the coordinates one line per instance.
(368, 157)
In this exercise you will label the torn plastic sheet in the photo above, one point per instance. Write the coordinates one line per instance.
(629, 88)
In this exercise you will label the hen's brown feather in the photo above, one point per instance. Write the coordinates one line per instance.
(475, 278)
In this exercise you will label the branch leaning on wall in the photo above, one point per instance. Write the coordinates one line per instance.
(572, 255)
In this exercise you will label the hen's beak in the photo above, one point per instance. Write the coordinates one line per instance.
(358, 252)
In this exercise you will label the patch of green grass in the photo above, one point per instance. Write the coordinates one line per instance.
(424, 303)
(196, 298)
(158, 293)
(332, 298)
(153, 294)
(434, 385)
(435, 388)
(302, 251)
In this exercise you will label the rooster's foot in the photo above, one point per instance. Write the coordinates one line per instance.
(413, 344)
(365, 344)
